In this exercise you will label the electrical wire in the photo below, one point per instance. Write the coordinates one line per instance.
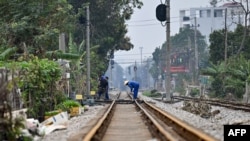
(132, 54)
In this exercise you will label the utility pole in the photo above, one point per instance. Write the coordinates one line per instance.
(168, 53)
(196, 52)
(148, 78)
(135, 69)
(141, 67)
(88, 52)
(226, 35)
(62, 42)
(189, 58)
(141, 55)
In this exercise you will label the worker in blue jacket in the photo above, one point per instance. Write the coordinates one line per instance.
(134, 87)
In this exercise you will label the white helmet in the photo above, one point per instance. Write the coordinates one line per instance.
(126, 82)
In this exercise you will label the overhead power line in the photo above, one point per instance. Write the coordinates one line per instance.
(132, 54)
(146, 21)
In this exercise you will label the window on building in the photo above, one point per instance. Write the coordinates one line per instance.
(203, 13)
(185, 18)
(218, 13)
(186, 25)
(197, 13)
(208, 13)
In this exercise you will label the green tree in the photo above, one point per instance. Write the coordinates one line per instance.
(219, 75)
(217, 47)
(33, 25)
(108, 28)
(239, 75)
(231, 78)
(156, 70)
(38, 80)
(183, 43)
(244, 6)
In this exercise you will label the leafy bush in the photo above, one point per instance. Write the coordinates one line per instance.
(152, 93)
(194, 92)
(67, 105)
(146, 93)
(37, 79)
(52, 113)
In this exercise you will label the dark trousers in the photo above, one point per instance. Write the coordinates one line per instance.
(103, 91)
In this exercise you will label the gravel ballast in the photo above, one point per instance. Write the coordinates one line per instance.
(212, 126)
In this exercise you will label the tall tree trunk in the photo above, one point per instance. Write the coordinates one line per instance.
(246, 10)
(246, 97)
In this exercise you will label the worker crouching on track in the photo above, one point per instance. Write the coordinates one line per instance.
(103, 87)
(134, 87)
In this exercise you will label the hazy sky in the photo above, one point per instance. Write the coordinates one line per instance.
(147, 32)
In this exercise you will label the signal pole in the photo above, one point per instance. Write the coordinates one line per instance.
(168, 53)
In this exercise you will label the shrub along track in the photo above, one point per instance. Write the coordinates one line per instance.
(127, 120)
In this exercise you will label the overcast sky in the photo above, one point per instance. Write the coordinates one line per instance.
(147, 33)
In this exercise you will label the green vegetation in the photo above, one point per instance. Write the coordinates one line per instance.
(33, 27)
(10, 127)
(152, 93)
(38, 80)
(194, 92)
(67, 105)
(183, 45)
(230, 76)
(52, 113)
(29, 32)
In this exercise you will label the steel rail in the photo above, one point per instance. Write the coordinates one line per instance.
(118, 95)
(163, 134)
(156, 126)
(96, 132)
(187, 131)
(91, 134)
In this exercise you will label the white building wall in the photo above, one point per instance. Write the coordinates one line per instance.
(209, 19)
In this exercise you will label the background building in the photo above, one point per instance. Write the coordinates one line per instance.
(209, 19)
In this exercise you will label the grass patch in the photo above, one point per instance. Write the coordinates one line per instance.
(152, 93)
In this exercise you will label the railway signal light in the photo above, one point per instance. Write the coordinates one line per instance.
(112, 62)
(111, 56)
(161, 12)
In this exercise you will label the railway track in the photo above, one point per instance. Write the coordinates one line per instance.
(127, 120)
(227, 104)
